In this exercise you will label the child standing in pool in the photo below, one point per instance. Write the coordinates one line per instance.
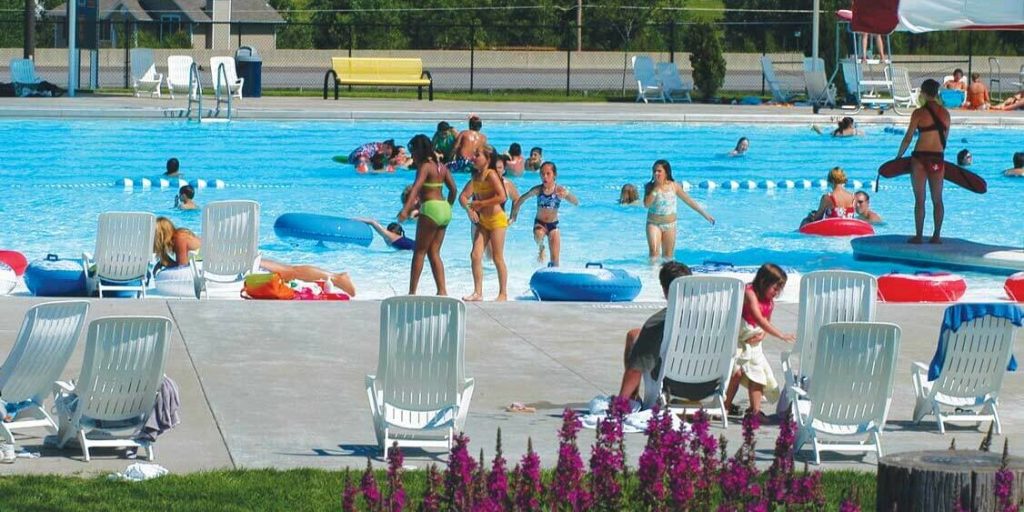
(536, 158)
(660, 199)
(484, 197)
(549, 198)
(435, 211)
(516, 163)
(752, 367)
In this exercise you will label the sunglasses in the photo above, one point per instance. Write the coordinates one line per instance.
(862, 201)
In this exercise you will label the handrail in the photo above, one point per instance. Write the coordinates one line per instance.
(221, 78)
(195, 92)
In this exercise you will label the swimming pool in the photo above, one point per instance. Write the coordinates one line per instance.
(56, 176)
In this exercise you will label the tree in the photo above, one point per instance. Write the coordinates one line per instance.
(703, 40)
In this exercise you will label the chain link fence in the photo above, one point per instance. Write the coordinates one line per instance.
(594, 58)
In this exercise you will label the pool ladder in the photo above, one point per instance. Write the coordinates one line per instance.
(222, 95)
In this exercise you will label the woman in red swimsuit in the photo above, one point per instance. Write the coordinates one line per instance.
(927, 162)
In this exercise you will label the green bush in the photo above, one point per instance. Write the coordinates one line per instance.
(703, 40)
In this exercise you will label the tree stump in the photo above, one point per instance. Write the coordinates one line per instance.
(932, 481)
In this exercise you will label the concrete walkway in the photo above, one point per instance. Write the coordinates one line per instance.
(280, 385)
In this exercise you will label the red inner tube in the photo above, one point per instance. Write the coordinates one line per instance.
(15, 260)
(921, 287)
(837, 227)
(1014, 287)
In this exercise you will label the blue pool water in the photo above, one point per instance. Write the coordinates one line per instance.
(57, 176)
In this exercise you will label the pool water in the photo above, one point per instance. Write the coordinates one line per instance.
(57, 176)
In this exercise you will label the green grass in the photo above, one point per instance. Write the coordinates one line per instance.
(244, 490)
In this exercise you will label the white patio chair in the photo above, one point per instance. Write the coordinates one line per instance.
(780, 93)
(145, 79)
(647, 86)
(124, 253)
(47, 338)
(234, 84)
(859, 359)
(975, 360)
(230, 245)
(672, 85)
(819, 91)
(24, 77)
(903, 93)
(826, 296)
(178, 69)
(698, 346)
(116, 390)
(420, 395)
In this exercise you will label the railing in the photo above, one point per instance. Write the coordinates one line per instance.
(221, 79)
(195, 93)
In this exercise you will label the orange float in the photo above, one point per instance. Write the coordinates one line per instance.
(921, 287)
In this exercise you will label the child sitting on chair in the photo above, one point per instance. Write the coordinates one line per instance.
(752, 367)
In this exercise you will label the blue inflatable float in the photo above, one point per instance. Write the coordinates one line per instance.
(591, 284)
(323, 228)
(55, 277)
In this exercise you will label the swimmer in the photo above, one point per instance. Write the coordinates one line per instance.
(839, 204)
(363, 155)
(172, 247)
(846, 128)
(742, 146)
(964, 158)
(469, 140)
(629, 196)
(660, 199)
(435, 212)
(183, 201)
(172, 168)
(401, 159)
(549, 199)
(516, 163)
(393, 235)
(444, 141)
(536, 158)
(415, 212)
(1018, 166)
(862, 203)
(482, 198)
(1012, 103)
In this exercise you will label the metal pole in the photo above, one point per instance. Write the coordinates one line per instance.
(814, 29)
(72, 47)
(29, 49)
(970, 54)
(568, 68)
(672, 41)
(472, 56)
(579, 25)
(127, 54)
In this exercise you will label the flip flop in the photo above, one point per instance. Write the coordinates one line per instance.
(520, 407)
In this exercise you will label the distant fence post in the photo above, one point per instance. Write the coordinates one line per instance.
(672, 41)
(127, 53)
(568, 68)
(762, 76)
(472, 56)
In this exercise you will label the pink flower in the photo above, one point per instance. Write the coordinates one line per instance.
(458, 478)
(368, 486)
(431, 497)
(497, 480)
(349, 495)
(567, 489)
(529, 487)
(396, 493)
(607, 460)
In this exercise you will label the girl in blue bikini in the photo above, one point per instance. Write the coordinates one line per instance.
(660, 199)
(549, 199)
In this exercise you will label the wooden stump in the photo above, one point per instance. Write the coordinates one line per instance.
(931, 481)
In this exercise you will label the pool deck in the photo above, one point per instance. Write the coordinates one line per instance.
(305, 108)
(281, 385)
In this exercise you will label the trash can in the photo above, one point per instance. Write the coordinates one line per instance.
(250, 68)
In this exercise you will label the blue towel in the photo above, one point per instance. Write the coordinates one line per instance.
(960, 313)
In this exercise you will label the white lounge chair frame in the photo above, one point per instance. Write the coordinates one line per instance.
(647, 85)
(971, 376)
(859, 358)
(45, 342)
(826, 296)
(819, 91)
(234, 84)
(178, 69)
(145, 78)
(420, 395)
(780, 93)
(672, 85)
(124, 253)
(230, 242)
(698, 346)
(903, 93)
(121, 374)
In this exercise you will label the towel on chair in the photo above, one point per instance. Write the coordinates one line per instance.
(958, 314)
(166, 411)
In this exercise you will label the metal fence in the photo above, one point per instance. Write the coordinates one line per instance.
(474, 58)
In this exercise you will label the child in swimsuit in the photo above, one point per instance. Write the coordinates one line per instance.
(660, 199)
(516, 163)
(361, 156)
(549, 199)
(839, 204)
(435, 211)
(536, 158)
(483, 198)
(752, 367)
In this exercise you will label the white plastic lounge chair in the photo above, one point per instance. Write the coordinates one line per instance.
(903, 93)
(780, 93)
(178, 68)
(859, 358)
(116, 391)
(124, 253)
(234, 84)
(971, 376)
(826, 296)
(672, 85)
(819, 91)
(230, 238)
(145, 79)
(647, 86)
(47, 338)
(24, 77)
(852, 78)
(702, 326)
(420, 394)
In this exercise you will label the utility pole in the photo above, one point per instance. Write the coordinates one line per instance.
(579, 25)
(29, 48)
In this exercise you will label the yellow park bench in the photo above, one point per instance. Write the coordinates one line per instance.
(378, 71)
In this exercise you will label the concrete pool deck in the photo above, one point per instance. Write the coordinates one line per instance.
(306, 108)
(280, 385)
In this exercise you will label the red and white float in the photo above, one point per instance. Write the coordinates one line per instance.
(837, 227)
(15, 260)
(1014, 287)
(921, 287)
